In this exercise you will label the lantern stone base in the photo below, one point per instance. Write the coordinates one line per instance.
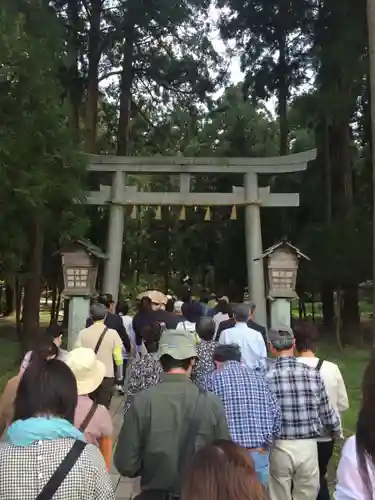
(280, 312)
(79, 309)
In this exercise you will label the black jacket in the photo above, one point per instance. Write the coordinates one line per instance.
(143, 319)
(259, 328)
(114, 322)
(229, 323)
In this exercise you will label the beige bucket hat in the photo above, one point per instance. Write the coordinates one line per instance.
(88, 370)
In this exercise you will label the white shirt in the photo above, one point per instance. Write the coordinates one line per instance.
(349, 484)
(251, 343)
(334, 384)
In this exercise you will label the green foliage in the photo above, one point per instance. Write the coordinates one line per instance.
(41, 172)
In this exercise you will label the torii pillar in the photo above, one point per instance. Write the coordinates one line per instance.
(112, 266)
(253, 237)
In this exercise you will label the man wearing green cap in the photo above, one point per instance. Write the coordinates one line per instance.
(168, 422)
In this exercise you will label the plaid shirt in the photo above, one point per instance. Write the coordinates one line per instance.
(252, 411)
(305, 408)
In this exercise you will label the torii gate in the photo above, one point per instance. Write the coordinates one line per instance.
(119, 195)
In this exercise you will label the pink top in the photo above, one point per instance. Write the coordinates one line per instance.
(100, 425)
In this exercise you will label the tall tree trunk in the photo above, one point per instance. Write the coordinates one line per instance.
(126, 92)
(74, 90)
(350, 312)
(94, 54)
(33, 284)
(9, 299)
(328, 306)
(54, 299)
(283, 95)
(371, 45)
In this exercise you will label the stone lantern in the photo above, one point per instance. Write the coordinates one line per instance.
(80, 262)
(282, 261)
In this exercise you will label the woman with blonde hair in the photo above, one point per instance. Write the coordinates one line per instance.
(222, 471)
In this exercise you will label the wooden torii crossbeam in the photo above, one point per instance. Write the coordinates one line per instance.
(119, 196)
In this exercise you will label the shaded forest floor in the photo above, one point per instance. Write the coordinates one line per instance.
(352, 362)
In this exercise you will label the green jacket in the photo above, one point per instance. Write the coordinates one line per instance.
(149, 439)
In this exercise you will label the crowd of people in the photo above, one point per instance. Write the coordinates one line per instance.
(215, 407)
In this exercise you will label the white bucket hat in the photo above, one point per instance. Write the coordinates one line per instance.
(88, 370)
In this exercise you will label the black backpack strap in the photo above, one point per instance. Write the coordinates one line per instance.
(62, 471)
(88, 417)
(319, 365)
(99, 343)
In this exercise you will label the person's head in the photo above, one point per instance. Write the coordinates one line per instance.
(177, 351)
(242, 313)
(122, 308)
(222, 471)
(305, 337)
(226, 352)
(177, 307)
(222, 305)
(191, 311)
(230, 310)
(98, 312)
(87, 369)
(205, 328)
(107, 300)
(151, 336)
(145, 305)
(365, 432)
(47, 388)
(46, 350)
(281, 341)
(55, 333)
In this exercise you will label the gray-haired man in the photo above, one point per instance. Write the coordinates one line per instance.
(305, 409)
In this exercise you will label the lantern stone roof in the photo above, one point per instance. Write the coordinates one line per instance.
(92, 249)
(87, 245)
(282, 243)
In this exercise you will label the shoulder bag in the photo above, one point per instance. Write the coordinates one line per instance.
(101, 338)
(319, 365)
(62, 471)
(88, 417)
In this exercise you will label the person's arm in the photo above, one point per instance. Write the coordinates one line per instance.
(276, 411)
(349, 484)
(117, 357)
(327, 414)
(25, 362)
(261, 350)
(342, 395)
(127, 453)
(123, 334)
(106, 446)
(221, 430)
